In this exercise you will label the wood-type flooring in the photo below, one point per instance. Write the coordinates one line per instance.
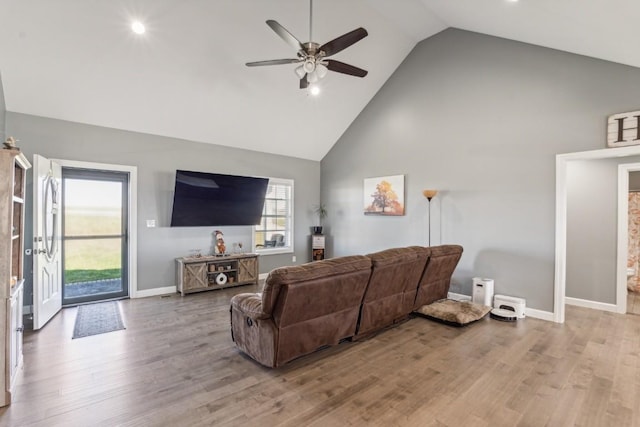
(175, 365)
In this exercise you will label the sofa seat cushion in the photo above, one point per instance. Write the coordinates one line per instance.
(451, 312)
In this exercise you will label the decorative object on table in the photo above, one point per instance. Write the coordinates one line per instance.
(454, 313)
(311, 56)
(384, 195)
(429, 194)
(221, 279)
(220, 248)
(10, 144)
(321, 211)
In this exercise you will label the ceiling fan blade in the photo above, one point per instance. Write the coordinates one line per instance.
(341, 67)
(304, 83)
(344, 41)
(272, 62)
(285, 35)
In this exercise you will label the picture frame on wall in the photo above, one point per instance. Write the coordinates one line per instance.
(384, 195)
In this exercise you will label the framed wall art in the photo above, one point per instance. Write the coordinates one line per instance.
(384, 195)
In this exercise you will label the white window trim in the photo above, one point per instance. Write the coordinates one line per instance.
(285, 250)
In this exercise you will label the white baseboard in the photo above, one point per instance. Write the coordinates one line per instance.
(262, 276)
(591, 304)
(154, 292)
(458, 297)
(538, 314)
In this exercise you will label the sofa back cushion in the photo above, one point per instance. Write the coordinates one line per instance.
(300, 277)
(435, 281)
(395, 276)
(315, 304)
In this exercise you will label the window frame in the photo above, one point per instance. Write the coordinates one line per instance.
(283, 249)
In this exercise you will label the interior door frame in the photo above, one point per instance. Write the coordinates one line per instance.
(560, 282)
(623, 233)
(132, 215)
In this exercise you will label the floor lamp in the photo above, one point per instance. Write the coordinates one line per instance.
(429, 194)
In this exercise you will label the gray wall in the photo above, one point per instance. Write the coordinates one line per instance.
(3, 110)
(157, 159)
(481, 119)
(592, 234)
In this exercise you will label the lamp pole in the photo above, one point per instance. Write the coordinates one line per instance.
(429, 194)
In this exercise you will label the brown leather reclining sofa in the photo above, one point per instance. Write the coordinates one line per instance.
(307, 307)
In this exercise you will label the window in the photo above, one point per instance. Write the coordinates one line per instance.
(275, 232)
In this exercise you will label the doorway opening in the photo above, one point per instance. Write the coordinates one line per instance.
(95, 235)
(628, 235)
(562, 161)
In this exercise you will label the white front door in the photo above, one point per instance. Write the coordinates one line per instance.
(47, 222)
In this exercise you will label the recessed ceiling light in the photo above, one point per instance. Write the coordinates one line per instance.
(314, 90)
(138, 27)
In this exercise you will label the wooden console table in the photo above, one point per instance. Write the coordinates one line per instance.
(197, 274)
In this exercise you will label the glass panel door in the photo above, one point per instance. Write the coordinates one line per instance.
(94, 235)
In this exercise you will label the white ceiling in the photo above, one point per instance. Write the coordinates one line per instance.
(77, 60)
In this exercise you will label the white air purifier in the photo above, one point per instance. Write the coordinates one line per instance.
(482, 291)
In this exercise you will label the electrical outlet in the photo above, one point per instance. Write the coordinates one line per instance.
(293, 258)
(151, 223)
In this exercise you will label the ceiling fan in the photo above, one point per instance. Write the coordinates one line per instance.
(312, 56)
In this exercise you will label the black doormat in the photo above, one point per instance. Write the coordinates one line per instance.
(99, 318)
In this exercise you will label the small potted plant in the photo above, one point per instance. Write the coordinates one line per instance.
(321, 211)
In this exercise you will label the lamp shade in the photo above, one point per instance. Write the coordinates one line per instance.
(429, 194)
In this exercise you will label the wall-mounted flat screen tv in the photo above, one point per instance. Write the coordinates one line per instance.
(211, 199)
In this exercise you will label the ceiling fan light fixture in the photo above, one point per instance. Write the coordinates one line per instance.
(314, 90)
(309, 65)
(312, 77)
(321, 70)
(300, 72)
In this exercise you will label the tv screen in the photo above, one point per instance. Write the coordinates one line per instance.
(211, 199)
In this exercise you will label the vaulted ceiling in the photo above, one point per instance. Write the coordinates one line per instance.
(78, 60)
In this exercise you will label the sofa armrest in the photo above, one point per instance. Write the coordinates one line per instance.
(250, 305)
